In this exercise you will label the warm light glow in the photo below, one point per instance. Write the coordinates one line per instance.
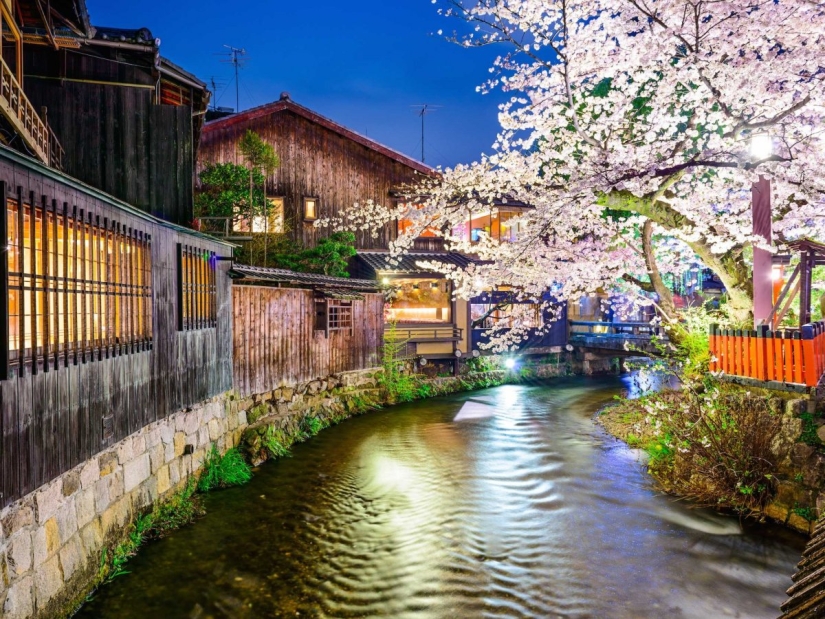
(776, 273)
(510, 363)
(385, 281)
(761, 146)
(310, 208)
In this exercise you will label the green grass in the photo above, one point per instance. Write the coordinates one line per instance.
(223, 471)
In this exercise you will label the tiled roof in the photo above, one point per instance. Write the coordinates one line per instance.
(807, 594)
(285, 276)
(384, 262)
(285, 103)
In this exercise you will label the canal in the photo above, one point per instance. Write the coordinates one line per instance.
(508, 502)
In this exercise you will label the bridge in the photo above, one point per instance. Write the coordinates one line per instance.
(617, 339)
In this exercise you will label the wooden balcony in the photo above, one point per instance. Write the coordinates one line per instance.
(32, 129)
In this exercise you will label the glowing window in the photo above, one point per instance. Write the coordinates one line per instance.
(197, 289)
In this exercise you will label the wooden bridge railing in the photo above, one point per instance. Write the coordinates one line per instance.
(792, 356)
(591, 327)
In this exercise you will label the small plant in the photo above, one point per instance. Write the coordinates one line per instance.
(276, 442)
(223, 471)
(311, 425)
(808, 513)
(809, 428)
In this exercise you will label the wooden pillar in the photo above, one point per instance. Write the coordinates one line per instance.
(806, 267)
(762, 284)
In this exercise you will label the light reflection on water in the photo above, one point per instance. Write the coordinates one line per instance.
(502, 503)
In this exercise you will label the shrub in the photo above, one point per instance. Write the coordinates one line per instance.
(223, 471)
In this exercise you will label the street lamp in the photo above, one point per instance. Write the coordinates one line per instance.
(761, 148)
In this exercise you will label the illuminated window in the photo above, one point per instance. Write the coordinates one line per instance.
(516, 315)
(310, 209)
(273, 222)
(79, 284)
(420, 300)
(406, 224)
(197, 289)
(497, 225)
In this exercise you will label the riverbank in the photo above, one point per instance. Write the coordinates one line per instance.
(756, 453)
(60, 542)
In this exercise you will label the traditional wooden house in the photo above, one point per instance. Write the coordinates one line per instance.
(101, 104)
(110, 318)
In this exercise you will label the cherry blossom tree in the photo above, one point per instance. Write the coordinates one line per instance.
(630, 123)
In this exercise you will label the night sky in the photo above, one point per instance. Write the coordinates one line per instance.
(362, 63)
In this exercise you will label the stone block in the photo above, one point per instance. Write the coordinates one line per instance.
(168, 452)
(19, 602)
(167, 432)
(19, 553)
(71, 482)
(795, 521)
(180, 443)
(85, 507)
(124, 451)
(191, 423)
(102, 498)
(89, 473)
(116, 488)
(174, 472)
(67, 520)
(242, 422)
(215, 429)
(203, 437)
(17, 516)
(108, 463)
(135, 472)
(777, 511)
(116, 517)
(147, 493)
(48, 581)
(48, 500)
(821, 433)
(71, 557)
(163, 480)
(156, 457)
(91, 538)
(153, 437)
(138, 445)
(197, 459)
(45, 542)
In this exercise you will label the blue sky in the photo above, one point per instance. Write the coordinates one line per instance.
(363, 63)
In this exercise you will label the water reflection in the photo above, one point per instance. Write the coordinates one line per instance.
(502, 503)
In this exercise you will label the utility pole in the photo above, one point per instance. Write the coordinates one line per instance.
(236, 58)
(426, 108)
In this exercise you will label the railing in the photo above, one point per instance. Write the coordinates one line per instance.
(792, 356)
(614, 329)
(428, 333)
(17, 108)
(220, 227)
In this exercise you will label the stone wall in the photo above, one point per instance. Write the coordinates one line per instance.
(52, 540)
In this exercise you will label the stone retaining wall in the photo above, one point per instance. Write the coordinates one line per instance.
(52, 540)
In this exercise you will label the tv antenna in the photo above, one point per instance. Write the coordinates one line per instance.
(215, 85)
(237, 58)
(423, 110)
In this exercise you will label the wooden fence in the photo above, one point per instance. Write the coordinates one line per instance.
(83, 370)
(276, 342)
(789, 356)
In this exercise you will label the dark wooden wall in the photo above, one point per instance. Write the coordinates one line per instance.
(276, 344)
(56, 418)
(315, 161)
(114, 136)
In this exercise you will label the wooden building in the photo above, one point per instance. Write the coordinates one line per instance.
(102, 105)
(325, 167)
(292, 328)
(110, 319)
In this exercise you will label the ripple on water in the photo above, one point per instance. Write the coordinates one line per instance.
(505, 503)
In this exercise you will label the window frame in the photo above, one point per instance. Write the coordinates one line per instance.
(197, 298)
(68, 268)
(316, 204)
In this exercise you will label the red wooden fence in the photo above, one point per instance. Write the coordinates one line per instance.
(795, 356)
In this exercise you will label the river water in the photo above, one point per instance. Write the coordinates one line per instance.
(508, 502)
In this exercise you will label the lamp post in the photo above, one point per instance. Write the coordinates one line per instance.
(761, 148)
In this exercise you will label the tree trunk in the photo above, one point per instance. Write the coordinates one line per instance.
(666, 306)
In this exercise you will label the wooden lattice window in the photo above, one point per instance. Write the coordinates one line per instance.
(197, 288)
(333, 315)
(78, 286)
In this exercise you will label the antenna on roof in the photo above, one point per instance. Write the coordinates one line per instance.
(426, 108)
(215, 85)
(237, 59)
